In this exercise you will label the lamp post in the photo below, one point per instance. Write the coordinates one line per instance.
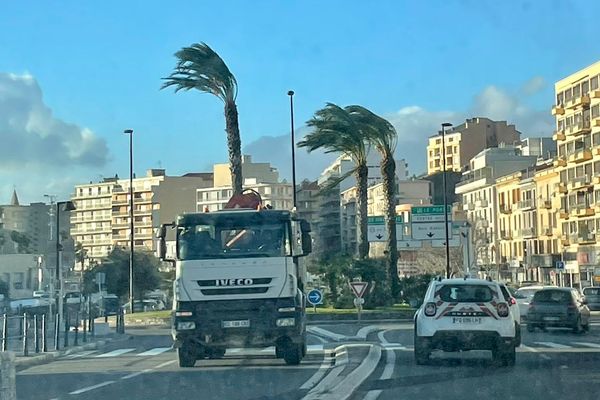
(444, 126)
(291, 94)
(66, 206)
(131, 233)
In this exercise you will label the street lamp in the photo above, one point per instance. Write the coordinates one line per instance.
(444, 126)
(291, 94)
(66, 206)
(131, 241)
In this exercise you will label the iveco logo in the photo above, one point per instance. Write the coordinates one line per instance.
(234, 282)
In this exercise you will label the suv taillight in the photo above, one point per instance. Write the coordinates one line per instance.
(430, 309)
(513, 301)
(502, 309)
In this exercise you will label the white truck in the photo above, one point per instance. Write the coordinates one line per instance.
(238, 282)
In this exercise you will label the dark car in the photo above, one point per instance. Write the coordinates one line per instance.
(558, 307)
(592, 295)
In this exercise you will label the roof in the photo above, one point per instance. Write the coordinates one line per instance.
(463, 281)
(14, 200)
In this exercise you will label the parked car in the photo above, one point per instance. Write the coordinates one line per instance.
(514, 309)
(523, 297)
(142, 306)
(558, 307)
(592, 295)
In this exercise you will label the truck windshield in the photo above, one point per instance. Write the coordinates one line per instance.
(196, 242)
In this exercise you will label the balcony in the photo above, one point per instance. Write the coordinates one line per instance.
(583, 211)
(580, 156)
(547, 204)
(526, 204)
(579, 101)
(580, 183)
(563, 213)
(594, 94)
(585, 238)
(596, 122)
(469, 206)
(579, 129)
(527, 232)
(564, 240)
(547, 231)
(481, 203)
(559, 135)
(558, 110)
(561, 187)
(505, 235)
(505, 209)
(560, 162)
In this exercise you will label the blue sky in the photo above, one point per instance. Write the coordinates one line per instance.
(98, 67)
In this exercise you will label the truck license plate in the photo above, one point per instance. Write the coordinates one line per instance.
(551, 318)
(245, 323)
(466, 320)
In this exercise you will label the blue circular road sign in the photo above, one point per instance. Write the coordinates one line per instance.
(315, 297)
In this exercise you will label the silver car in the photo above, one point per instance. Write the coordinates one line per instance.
(592, 295)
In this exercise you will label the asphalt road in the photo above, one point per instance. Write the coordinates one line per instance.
(550, 365)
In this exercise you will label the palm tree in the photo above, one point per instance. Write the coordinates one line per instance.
(334, 130)
(199, 67)
(383, 136)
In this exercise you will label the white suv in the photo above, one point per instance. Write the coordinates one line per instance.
(465, 314)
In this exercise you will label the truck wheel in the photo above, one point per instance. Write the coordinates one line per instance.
(422, 350)
(186, 354)
(215, 353)
(577, 328)
(292, 354)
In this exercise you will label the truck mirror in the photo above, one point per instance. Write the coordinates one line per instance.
(161, 235)
(306, 239)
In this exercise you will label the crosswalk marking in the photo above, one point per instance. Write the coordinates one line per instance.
(79, 355)
(586, 344)
(115, 353)
(554, 345)
(153, 352)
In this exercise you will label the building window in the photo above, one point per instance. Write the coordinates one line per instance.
(585, 87)
(19, 277)
(594, 82)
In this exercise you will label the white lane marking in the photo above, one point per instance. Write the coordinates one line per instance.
(554, 345)
(268, 350)
(315, 330)
(366, 330)
(372, 395)
(164, 364)
(114, 353)
(586, 344)
(314, 348)
(317, 376)
(79, 355)
(87, 389)
(230, 351)
(132, 375)
(532, 350)
(381, 336)
(153, 352)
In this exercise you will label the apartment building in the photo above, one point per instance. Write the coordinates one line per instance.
(543, 147)
(101, 219)
(261, 177)
(577, 115)
(478, 192)
(464, 141)
(348, 221)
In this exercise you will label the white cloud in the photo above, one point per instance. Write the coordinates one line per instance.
(415, 124)
(40, 153)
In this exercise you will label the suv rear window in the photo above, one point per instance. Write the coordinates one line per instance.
(466, 293)
(552, 296)
(591, 291)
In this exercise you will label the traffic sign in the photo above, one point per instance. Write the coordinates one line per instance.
(429, 231)
(409, 244)
(429, 210)
(560, 265)
(454, 242)
(378, 233)
(359, 288)
(315, 297)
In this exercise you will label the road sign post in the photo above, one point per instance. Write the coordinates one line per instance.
(315, 297)
(359, 289)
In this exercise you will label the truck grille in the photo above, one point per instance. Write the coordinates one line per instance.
(234, 290)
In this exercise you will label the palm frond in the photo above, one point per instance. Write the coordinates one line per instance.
(379, 131)
(331, 183)
(200, 67)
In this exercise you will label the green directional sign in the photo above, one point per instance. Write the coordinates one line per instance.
(379, 220)
(429, 210)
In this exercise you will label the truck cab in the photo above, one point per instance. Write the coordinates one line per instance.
(238, 282)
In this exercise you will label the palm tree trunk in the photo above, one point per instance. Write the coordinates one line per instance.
(388, 172)
(234, 146)
(362, 173)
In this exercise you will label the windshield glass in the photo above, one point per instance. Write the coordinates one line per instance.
(591, 291)
(525, 293)
(197, 242)
(466, 293)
